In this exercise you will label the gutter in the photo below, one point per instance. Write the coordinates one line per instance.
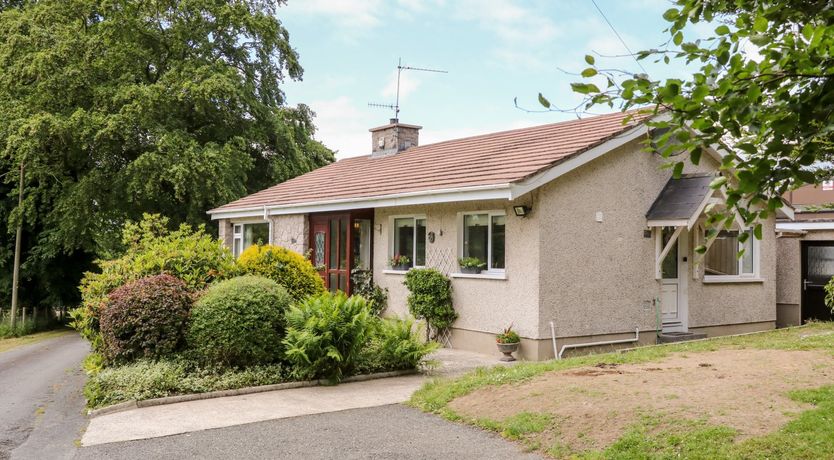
(479, 192)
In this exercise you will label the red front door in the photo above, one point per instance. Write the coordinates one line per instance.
(331, 247)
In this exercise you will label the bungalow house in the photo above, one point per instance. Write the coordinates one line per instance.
(805, 252)
(587, 240)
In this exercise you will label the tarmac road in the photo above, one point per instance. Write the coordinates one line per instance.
(383, 432)
(41, 400)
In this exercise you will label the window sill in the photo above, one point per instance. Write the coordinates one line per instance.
(708, 279)
(394, 272)
(482, 275)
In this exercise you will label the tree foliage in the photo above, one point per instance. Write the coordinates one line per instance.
(762, 89)
(120, 107)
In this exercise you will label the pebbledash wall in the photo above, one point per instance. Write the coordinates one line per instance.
(593, 280)
(597, 278)
(485, 305)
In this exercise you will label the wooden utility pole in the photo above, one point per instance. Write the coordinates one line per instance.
(17, 241)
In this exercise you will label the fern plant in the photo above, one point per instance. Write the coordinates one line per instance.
(325, 335)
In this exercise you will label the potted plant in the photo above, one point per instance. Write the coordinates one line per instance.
(508, 342)
(471, 265)
(399, 262)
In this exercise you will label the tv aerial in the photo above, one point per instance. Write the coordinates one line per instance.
(396, 105)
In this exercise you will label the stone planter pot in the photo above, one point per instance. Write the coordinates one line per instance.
(471, 270)
(508, 349)
(401, 268)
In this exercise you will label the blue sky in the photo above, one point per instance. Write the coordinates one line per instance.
(494, 50)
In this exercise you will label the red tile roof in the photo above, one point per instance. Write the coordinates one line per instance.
(489, 159)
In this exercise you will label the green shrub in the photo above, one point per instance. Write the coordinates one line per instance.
(364, 286)
(151, 249)
(146, 318)
(430, 297)
(395, 345)
(325, 334)
(287, 268)
(146, 379)
(239, 322)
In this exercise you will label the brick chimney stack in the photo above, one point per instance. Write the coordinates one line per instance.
(393, 138)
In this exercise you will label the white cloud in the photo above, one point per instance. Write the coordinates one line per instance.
(524, 35)
(342, 124)
(351, 17)
(409, 82)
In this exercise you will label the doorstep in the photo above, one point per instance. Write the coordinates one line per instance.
(674, 337)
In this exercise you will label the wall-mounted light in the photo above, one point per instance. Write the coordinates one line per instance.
(430, 237)
(522, 211)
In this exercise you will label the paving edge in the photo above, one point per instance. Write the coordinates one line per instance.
(133, 404)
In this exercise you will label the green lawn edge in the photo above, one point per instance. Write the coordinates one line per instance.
(11, 343)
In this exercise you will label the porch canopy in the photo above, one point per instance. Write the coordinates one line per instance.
(679, 205)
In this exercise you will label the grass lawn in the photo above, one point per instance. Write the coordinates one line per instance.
(14, 342)
(768, 395)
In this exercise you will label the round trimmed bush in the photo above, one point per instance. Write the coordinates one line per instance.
(239, 322)
(145, 318)
(287, 268)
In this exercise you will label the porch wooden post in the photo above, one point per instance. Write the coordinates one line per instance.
(17, 243)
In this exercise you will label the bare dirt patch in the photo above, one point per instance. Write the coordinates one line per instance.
(743, 389)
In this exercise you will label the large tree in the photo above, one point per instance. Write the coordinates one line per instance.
(762, 89)
(119, 107)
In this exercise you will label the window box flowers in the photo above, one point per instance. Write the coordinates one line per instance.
(400, 262)
(471, 265)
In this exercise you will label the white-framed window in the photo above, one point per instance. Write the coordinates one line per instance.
(246, 234)
(722, 259)
(408, 238)
(482, 235)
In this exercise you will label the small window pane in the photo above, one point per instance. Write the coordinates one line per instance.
(237, 229)
(343, 244)
(669, 266)
(333, 284)
(361, 244)
(404, 237)
(475, 236)
(420, 256)
(722, 256)
(255, 234)
(334, 247)
(747, 257)
(319, 258)
(498, 226)
(236, 251)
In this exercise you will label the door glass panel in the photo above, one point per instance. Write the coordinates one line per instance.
(475, 236)
(334, 246)
(498, 230)
(820, 264)
(669, 267)
(343, 282)
(343, 231)
(319, 250)
(404, 237)
(333, 281)
(420, 254)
